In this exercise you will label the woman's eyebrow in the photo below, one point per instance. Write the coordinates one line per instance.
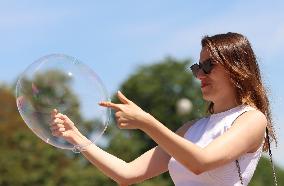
(205, 60)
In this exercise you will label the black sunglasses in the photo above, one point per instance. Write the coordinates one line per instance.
(206, 66)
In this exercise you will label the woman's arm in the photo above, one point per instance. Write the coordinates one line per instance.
(244, 136)
(148, 165)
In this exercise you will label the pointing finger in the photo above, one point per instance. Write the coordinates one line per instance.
(110, 105)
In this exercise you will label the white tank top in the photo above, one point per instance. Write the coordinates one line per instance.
(203, 132)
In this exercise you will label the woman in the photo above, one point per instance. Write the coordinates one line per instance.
(220, 149)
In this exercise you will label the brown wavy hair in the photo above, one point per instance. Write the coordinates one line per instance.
(234, 52)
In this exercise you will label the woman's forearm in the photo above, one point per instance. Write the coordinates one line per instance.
(187, 153)
(110, 165)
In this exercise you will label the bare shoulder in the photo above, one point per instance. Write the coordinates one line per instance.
(254, 117)
(252, 126)
(182, 130)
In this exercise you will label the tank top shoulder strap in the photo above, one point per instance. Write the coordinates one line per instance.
(243, 109)
(248, 108)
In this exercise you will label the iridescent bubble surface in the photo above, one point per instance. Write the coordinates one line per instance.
(62, 82)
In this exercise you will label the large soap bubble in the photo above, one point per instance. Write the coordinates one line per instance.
(62, 82)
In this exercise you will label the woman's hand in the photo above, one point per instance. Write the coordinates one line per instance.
(128, 114)
(62, 126)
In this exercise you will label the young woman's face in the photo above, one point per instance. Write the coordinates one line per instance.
(216, 85)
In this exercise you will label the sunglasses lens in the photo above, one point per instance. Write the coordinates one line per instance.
(195, 68)
(207, 66)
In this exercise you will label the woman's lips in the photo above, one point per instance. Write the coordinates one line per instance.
(204, 84)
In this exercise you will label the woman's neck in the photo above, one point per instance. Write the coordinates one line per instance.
(224, 104)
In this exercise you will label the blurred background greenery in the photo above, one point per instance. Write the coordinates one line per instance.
(25, 160)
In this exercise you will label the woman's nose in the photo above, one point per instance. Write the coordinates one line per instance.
(200, 74)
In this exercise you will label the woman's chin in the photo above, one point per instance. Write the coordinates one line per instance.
(206, 96)
(207, 99)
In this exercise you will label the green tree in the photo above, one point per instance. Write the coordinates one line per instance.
(46, 91)
(263, 175)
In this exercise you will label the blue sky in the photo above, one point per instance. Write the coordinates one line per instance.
(115, 37)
